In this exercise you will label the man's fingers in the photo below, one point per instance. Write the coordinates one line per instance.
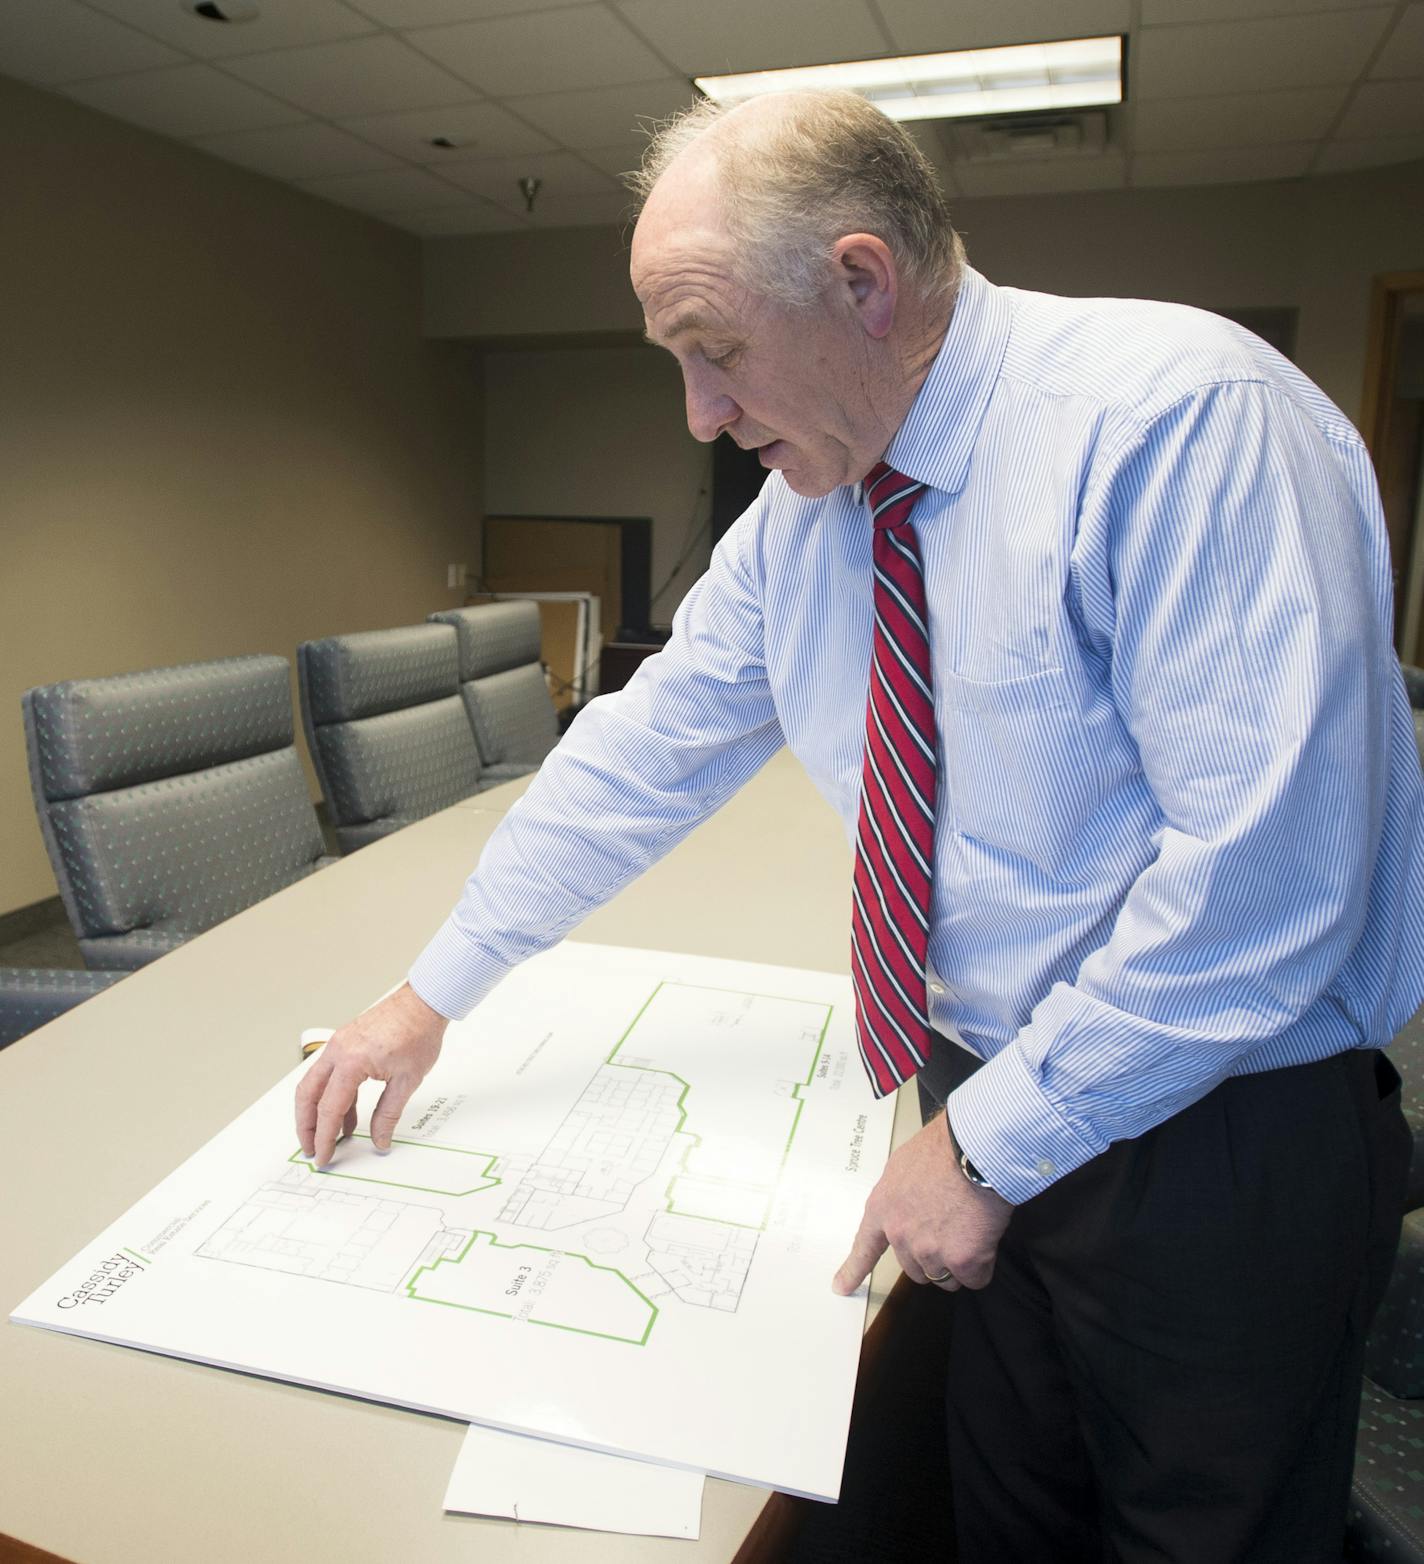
(917, 1270)
(336, 1102)
(939, 1273)
(870, 1244)
(348, 1124)
(389, 1110)
(309, 1092)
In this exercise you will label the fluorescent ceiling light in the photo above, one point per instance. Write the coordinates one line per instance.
(971, 83)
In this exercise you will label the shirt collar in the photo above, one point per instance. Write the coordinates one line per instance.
(934, 444)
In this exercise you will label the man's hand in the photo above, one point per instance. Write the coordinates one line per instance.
(931, 1215)
(395, 1041)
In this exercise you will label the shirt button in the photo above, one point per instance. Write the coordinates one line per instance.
(1045, 1167)
(936, 988)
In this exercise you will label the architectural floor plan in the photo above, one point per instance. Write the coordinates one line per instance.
(610, 1217)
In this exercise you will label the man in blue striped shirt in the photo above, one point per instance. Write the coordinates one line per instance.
(1178, 868)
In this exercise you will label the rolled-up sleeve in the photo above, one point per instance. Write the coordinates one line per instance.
(636, 771)
(1228, 550)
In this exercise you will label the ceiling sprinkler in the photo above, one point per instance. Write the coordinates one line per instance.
(529, 188)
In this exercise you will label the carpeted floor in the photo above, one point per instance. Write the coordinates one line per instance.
(51, 946)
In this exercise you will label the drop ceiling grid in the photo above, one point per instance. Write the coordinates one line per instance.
(333, 95)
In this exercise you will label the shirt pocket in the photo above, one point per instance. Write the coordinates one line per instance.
(1018, 764)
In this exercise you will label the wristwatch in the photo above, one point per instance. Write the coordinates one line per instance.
(966, 1167)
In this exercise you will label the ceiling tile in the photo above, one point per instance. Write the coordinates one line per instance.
(361, 76)
(397, 190)
(602, 117)
(545, 51)
(276, 26)
(614, 161)
(1341, 156)
(184, 100)
(1383, 108)
(470, 217)
(498, 177)
(928, 26)
(745, 35)
(1039, 176)
(1155, 12)
(577, 211)
(434, 13)
(1254, 55)
(1243, 119)
(1237, 165)
(475, 128)
(1403, 53)
(299, 152)
(49, 41)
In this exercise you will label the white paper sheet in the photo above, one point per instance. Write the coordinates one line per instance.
(611, 1219)
(527, 1479)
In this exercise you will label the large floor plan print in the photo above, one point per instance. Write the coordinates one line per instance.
(629, 1172)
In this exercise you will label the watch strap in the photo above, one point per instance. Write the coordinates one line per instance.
(966, 1167)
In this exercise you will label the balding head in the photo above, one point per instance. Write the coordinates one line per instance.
(792, 173)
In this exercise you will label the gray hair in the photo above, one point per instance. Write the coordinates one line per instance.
(794, 183)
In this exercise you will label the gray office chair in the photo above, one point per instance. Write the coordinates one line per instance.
(30, 996)
(503, 685)
(169, 800)
(386, 728)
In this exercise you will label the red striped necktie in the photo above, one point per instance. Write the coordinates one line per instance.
(895, 840)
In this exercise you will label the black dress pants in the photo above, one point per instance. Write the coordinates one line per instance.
(1166, 1365)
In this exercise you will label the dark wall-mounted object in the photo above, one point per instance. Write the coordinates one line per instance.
(1275, 324)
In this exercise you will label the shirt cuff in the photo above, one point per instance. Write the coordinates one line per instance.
(1011, 1132)
(452, 975)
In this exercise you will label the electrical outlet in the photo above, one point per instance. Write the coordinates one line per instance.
(455, 576)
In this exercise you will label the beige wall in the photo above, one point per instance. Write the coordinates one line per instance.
(220, 428)
(600, 432)
(529, 284)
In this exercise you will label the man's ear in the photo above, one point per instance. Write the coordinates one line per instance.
(865, 271)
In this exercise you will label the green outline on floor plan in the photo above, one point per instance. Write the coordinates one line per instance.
(722, 1145)
(444, 1171)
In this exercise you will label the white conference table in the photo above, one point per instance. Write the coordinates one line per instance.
(108, 1455)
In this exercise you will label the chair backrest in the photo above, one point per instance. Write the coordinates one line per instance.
(387, 728)
(169, 800)
(503, 683)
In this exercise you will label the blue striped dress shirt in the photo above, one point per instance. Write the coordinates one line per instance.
(1180, 801)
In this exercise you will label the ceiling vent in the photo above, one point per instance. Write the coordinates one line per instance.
(1027, 136)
